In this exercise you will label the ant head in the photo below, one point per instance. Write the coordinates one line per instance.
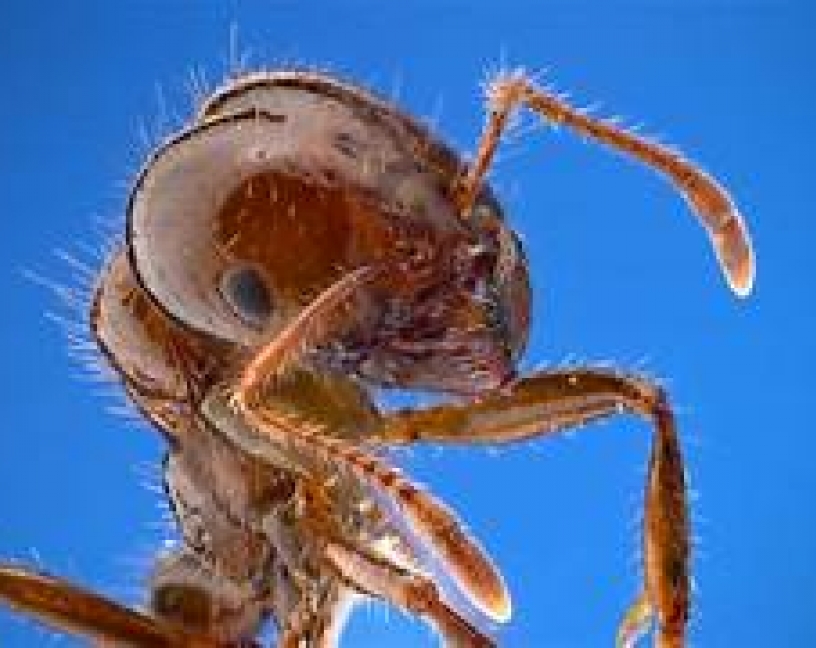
(284, 184)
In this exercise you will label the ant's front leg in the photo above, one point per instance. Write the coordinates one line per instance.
(548, 402)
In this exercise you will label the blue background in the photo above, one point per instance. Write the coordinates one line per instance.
(621, 274)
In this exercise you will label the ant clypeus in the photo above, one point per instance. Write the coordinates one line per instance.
(296, 244)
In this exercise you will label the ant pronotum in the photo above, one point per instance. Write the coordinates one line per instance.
(298, 243)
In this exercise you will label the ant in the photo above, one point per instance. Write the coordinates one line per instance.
(297, 244)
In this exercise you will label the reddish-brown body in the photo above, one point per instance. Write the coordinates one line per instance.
(297, 244)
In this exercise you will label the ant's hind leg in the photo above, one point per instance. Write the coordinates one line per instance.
(547, 402)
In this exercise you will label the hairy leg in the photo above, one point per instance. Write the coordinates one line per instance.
(548, 402)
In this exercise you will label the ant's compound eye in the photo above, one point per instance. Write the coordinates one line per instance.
(246, 292)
